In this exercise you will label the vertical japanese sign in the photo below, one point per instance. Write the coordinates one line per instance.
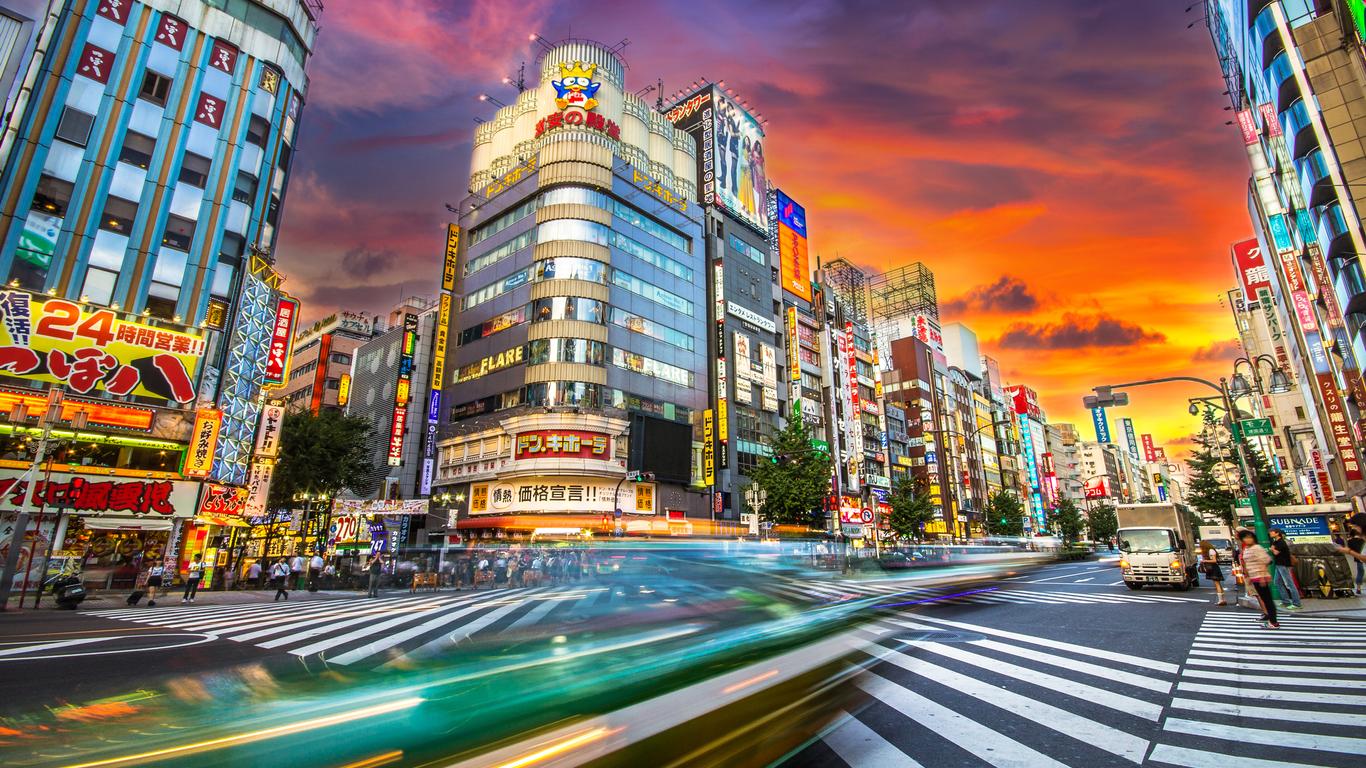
(1149, 453)
(258, 488)
(1102, 424)
(281, 341)
(855, 409)
(794, 365)
(1130, 438)
(203, 442)
(268, 436)
(1340, 430)
(443, 319)
(1248, 125)
(452, 255)
(320, 376)
(344, 390)
(1253, 272)
(429, 443)
(708, 447)
(403, 392)
(722, 383)
(792, 253)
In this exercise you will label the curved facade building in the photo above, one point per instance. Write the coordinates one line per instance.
(577, 311)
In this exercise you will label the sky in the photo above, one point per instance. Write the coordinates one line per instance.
(1064, 168)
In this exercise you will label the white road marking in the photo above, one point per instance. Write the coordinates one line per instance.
(1267, 737)
(857, 745)
(1269, 713)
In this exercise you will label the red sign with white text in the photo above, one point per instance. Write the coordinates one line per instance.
(1339, 427)
(1252, 269)
(171, 32)
(114, 10)
(281, 336)
(562, 443)
(223, 57)
(1149, 452)
(96, 63)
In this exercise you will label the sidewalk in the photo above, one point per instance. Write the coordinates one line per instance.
(1348, 607)
(109, 600)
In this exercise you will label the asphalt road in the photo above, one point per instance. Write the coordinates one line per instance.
(1059, 666)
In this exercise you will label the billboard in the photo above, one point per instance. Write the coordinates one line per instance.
(90, 350)
(1253, 272)
(203, 443)
(1102, 425)
(403, 390)
(732, 161)
(1097, 488)
(281, 341)
(796, 266)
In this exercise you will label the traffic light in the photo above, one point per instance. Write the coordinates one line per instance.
(1105, 398)
(637, 477)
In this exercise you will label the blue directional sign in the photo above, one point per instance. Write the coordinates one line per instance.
(1102, 425)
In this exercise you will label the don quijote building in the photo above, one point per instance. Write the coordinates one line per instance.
(146, 150)
(574, 316)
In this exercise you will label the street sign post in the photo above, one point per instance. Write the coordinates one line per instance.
(1255, 428)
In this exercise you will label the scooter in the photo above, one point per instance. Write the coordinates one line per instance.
(67, 590)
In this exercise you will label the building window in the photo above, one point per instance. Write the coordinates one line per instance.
(137, 150)
(334, 383)
(194, 170)
(647, 327)
(504, 221)
(565, 351)
(155, 88)
(75, 126)
(244, 190)
(650, 367)
(341, 358)
(118, 215)
(571, 268)
(179, 233)
(52, 195)
(257, 130)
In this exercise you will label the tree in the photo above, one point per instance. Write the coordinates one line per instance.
(1068, 520)
(321, 455)
(1103, 521)
(1210, 492)
(1004, 515)
(912, 508)
(794, 481)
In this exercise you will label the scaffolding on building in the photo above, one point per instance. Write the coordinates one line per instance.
(850, 286)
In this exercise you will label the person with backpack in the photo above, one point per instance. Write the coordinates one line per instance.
(1256, 562)
(192, 577)
(279, 578)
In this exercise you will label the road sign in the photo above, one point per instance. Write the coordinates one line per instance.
(1256, 428)
(1244, 502)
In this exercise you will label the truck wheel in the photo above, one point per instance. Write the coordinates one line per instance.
(1134, 585)
(1182, 587)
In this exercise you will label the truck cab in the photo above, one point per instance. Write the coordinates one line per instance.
(1157, 546)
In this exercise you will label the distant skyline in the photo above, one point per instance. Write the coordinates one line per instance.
(1063, 168)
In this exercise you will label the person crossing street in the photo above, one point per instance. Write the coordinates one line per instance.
(1284, 575)
(192, 577)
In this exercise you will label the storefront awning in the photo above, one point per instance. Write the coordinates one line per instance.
(116, 522)
(222, 520)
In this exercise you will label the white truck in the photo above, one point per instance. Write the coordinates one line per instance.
(1221, 538)
(1158, 546)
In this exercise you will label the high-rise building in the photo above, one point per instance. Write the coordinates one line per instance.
(146, 156)
(578, 337)
(320, 368)
(1294, 72)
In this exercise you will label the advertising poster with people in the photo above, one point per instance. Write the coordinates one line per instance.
(741, 186)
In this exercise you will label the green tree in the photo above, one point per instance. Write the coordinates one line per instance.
(1067, 519)
(794, 482)
(1003, 515)
(912, 508)
(321, 454)
(1103, 521)
(1209, 492)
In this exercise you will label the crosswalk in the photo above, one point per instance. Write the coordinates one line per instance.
(946, 692)
(1259, 697)
(399, 629)
(904, 593)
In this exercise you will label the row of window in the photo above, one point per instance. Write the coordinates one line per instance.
(570, 393)
(576, 308)
(579, 230)
(570, 267)
(560, 350)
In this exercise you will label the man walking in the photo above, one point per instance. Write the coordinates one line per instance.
(296, 571)
(1285, 572)
(376, 569)
(315, 569)
(192, 580)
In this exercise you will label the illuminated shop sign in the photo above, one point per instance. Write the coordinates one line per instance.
(281, 341)
(708, 447)
(561, 443)
(792, 253)
(403, 390)
(93, 494)
(344, 389)
(498, 186)
(1130, 438)
(492, 363)
(272, 425)
(752, 317)
(443, 321)
(225, 500)
(452, 255)
(88, 350)
(561, 494)
(96, 414)
(1340, 427)
(665, 195)
(203, 442)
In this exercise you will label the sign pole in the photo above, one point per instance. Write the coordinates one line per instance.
(16, 544)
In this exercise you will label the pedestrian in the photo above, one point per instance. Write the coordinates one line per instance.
(315, 569)
(296, 570)
(376, 569)
(1209, 565)
(1256, 562)
(468, 564)
(1356, 542)
(254, 574)
(279, 578)
(192, 577)
(1285, 570)
(156, 573)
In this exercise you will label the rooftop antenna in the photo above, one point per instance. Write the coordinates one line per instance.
(486, 97)
(541, 41)
(625, 41)
(520, 82)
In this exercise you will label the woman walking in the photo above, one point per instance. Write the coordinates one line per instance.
(1257, 570)
(1209, 564)
(155, 575)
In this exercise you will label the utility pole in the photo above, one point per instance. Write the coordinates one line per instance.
(16, 544)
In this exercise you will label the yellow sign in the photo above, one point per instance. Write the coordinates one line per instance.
(645, 182)
(344, 389)
(645, 497)
(479, 498)
(511, 177)
(452, 255)
(443, 319)
(90, 350)
(491, 363)
(708, 448)
(203, 442)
